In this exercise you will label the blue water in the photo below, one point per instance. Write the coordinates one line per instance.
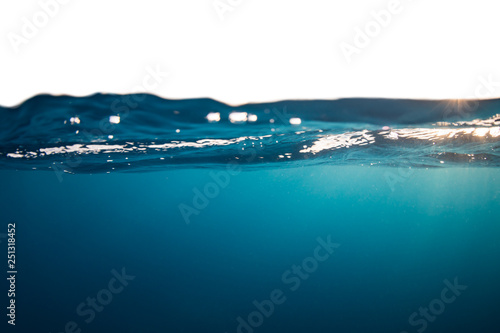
(368, 216)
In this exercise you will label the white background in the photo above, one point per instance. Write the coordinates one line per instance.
(262, 50)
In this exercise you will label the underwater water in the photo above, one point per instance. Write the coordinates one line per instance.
(138, 214)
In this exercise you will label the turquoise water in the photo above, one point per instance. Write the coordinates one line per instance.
(374, 241)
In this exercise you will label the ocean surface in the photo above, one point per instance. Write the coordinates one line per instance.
(135, 213)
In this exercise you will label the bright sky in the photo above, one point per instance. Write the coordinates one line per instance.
(240, 51)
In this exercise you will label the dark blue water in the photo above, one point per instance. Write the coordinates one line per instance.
(368, 216)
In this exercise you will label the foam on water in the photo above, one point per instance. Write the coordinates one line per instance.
(140, 132)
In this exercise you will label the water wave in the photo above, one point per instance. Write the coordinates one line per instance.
(141, 132)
